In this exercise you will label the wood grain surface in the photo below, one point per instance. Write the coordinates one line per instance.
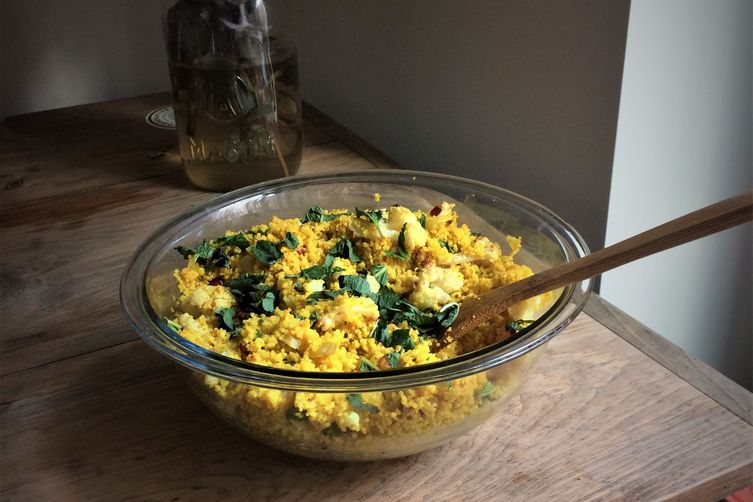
(89, 412)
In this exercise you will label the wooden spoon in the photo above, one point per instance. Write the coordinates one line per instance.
(706, 221)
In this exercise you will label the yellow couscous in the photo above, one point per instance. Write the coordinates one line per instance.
(346, 291)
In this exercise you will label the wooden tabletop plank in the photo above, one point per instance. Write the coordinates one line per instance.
(596, 420)
(686, 366)
(55, 152)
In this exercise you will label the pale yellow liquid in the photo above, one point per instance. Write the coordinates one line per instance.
(237, 125)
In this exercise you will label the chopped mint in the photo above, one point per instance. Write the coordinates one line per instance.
(366, 365)
(356, 402)
(401, 253)
(379, 271)
(290, 241)
(266, 252)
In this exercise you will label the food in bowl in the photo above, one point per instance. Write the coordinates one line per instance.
(433, 402)
(348, 291)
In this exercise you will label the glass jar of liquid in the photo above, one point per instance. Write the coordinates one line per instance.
(234, 77)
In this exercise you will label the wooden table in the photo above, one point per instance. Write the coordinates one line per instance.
(89, 412)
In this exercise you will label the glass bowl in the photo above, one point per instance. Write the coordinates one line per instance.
(432, 403)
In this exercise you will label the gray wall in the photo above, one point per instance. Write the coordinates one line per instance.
(684, 141)
(522, 94)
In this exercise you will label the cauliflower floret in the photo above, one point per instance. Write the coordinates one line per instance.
(349, 310)
(366, 229)
(487, 250)
(436, 221)
(313, 286)
(434, 286)
(483, 250)
(207, 300)
(352, 421)
(397, 216)
(415, 235)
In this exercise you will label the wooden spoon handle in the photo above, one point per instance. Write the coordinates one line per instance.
(706, 221)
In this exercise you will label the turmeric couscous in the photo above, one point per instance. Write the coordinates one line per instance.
(346, 291)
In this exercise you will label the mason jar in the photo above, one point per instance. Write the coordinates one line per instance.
(234, 77)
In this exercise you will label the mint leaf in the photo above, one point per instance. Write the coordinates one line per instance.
(401, 253)
(226, 317)
(485, 392)
(252, 296)
(355, 284)
(266, 252)
(319, 272)
(290, 241)
(245, 282)
(379, 271)
(402, 338)
(452, 248)
(173, 325)
(374, 216)
(367, 365)
(322, 295)
(318, 215)
(422, 219)
(234, 240)
(422, 320)
(343, 249)
(203, 251)
(356, 402)
(380, 333)
(517, 326)
(447, 315)
(387, 299)
(393, 358)
(268, 302)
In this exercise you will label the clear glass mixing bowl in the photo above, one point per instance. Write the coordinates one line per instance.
(436, 402)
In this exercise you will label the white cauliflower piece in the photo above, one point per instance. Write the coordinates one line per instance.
(415, 235)
(366, 229)
(446, 213)
(352, 421)
(373, 283)
(483, 249)
(313, 286)
(390, 227)
(489, 251)
(207, 300)
(350, 308)
(434, 285)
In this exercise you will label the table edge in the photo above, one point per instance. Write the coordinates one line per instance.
(725, 392)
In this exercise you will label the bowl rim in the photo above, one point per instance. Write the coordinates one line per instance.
(155, 332)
